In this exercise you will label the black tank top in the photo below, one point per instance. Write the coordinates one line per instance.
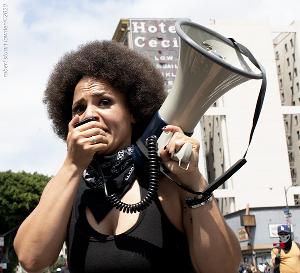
(153, 244)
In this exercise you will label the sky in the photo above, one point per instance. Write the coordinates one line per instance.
(36, 34)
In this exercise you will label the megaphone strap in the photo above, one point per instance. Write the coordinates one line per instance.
(262, 91)
(233, 169)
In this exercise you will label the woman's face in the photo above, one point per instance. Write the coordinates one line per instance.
(96, 98)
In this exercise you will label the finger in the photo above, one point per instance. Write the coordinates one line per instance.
(92, 132)
(176, 142)
(179, 139)
(89, 125)
(172, 128)
(171, 148)
(100, 146)
(174, 146)
(73, 122)
(96, 139)
(93, 140)
(164, 154)
(177, 146)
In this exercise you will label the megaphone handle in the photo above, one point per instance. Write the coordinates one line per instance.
(183, 155)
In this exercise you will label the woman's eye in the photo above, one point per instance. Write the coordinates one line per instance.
(105, 102)
(78, 109)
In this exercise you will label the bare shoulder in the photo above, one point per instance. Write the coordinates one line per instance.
(169, 196)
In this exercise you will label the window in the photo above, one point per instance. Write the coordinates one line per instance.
(282, 97)
(294, 173)
(288, 61)
(290, 75)
(285, 47)
(217, 121)
(286, 125)
(297, 199)
(297, 84)
(296, 120)
(291, 157)
(292, 43)
(289, 140)
(293, 55)
(276, 55)
(295, 72)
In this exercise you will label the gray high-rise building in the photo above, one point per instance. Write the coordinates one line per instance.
(286, 46)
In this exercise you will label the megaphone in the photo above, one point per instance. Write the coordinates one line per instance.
(209, 66)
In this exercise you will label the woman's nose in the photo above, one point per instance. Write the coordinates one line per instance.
(90, 111)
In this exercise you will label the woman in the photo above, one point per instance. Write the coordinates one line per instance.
(120, 91)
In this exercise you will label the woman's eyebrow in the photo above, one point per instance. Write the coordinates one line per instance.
(78, 102)
(98, 92)
(95, 93)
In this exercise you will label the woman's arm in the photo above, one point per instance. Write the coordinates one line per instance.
(41, 236)
(213, 246)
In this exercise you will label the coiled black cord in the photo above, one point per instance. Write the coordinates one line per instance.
(153, 169)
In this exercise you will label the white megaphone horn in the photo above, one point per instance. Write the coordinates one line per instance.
(209, 66)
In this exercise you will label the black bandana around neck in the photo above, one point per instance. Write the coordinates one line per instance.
(117, 171)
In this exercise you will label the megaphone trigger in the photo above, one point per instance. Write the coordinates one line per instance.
(164, 139)
(182, 156)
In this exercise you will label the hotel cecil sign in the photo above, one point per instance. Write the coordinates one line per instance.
(157, 40)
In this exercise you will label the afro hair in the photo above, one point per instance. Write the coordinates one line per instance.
(124, 69)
